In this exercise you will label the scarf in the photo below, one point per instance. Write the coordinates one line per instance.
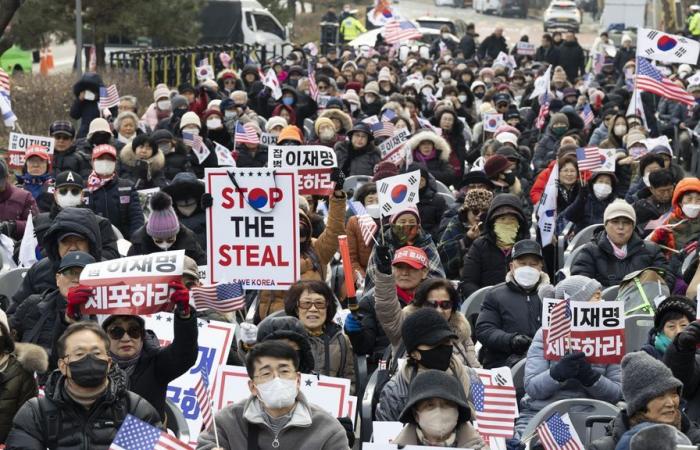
(620, 252)
(404, 295)
(128, 365)
(96, 182)
(417, 155)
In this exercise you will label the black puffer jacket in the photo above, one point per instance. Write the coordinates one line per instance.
(597, 260)
(354, 162)
(72, 159)
(75, 427)
(142, 244)
(431, 207)
(186, 186)
(85, 110)
(685, 365)
(119, 202)
(177, 161)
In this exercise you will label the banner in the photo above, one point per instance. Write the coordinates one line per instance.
(19, 143)
(398, 192)
(314, 164)
(547, 207)
(392, 149)
(597, 329)
(666, 48)
(268, 139)
(253, 227)
(133, 285)
(525, 48)
(223, 155)
(214, 341)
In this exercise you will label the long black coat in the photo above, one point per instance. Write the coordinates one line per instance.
(572, 59)
(431, 208)
(685, 366)
(72, 159)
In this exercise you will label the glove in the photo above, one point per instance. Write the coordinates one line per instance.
(586, 375)
(514, 444)
(141, 169)
(180, 297)
(77, 296)
(338, 177)
(689, 338)
(383, 255)
(207, 201)
(567, 367)
(352, 324)
(520, 343)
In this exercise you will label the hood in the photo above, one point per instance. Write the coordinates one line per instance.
(509, 201)
(118, 382)
(458, 323)
(81, 220)
(250, 68)
(344, 119)
(440, 144)
(32, 358)
(683, 186)
(89, 81)
(128, 158)
(183, 185)
(292, 114)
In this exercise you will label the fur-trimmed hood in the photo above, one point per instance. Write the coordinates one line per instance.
(458, 322)
(440, 144)
(31, 357)
(128, 158)
(344, 119)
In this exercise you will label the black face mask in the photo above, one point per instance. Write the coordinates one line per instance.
(510, 178)
(89, 371)
(437, 358)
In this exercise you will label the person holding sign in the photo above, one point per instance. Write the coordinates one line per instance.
(15, 205)
(358, 154)
(572, 376)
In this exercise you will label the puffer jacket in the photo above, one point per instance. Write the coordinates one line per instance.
(324, 249)
(333, 354)
(142, 244)
(391, 317)
(620, 425)
(545, 150)
(467, 436)
(17, 383)
(75, 427)
(357, 162)
(587, 209)
(679, 235)
(144, 173)
(597, 260)
(598, 135)
(438, 166)
(71, 159)
(15, 205)
(541, 389)
(359, 251)
(119, 202)
(178, 160)
(507, 310)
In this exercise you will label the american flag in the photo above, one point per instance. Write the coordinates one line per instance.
(542, 115)
(559, 321)
(396, 31)
(588, 158)
(367, 225)
(223, 297)
(246, 134)
(587, 115)
(313, 87)
(650, 80)
(4, 83)
(109, 97)
(556, 434)
(382, 129)
(388, 115)
(495, 404)
(193, 140)
(201, 390)
(135, 434)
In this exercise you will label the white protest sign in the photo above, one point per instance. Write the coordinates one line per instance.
(214, 341)
(133, 285)
(525, 48)
(253, 227)
(398, 192)
(268, 139)
(385, 432)
(392, 149)
(19, 143)
(314, 164)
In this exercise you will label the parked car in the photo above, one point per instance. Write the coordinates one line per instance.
(16, 60)
(457, 26)
(563, 14)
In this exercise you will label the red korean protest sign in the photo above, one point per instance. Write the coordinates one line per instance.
(393, 149)
(597, 329)
(134, 285)
(253, 227)
(314, 164)
(19, 143)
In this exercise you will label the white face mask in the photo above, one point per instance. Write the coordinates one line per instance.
(438, 422)
(278, 393)
(426, 92)
(373, 210)
(214, 124)
(68, 200)
(369, 100)
(326, 135)
(164, 105)
(646, 180)
(691, 210)
(164, 245)
(89, 96)
(230, 115)
(445, 75)
(620, 130)
(602, 190)
(104, 166)
(462, 98)
(526, 276)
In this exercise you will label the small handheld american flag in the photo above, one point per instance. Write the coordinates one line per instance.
(109, 97)
(223, 297)
(559, 321)
(495, 403)
(588, 158)
(556, 434)
(137, 434)
(201, 389)
(246, 134)
(367, 225)
(193, 140)
(382, 129)
(587, 115)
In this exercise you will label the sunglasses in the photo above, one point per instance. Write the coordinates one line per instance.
(134, 332)
(73, 190)
(442, 304)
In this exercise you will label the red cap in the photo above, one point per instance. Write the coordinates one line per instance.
(104, 149)
(37, 150)
(413, 256)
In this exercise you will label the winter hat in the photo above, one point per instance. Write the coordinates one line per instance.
(655, 436)
(507, 138)
(486, 72)
(383, 170)
(372, 88)
(670, 308)
(163, 222)
(275, 121)
(435, 384)
(643, 379)
(384, 75)
(161, 91)
(495, 165)
(189, 266)
(190, 118)
(634, 136)
(425, 326)
(178, 101)
(323, 121)
(407, 210)
(559, 119)
(577, 288)
(290, 133)
(98, 125)
(214, 104)
(559, 76)
(476, 84)
(211, 112)
(619, 208)
(351, 96)
(62, 127)
(478, 199)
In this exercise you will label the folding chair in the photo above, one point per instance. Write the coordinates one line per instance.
(637, 329)
(176, 421)
(11, 280)
(518, 374)
(582, 237)
(609, 294)
(367, 408)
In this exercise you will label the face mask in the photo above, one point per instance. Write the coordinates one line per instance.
(278, 393)
(164, 105)
(373, 210)
(327, 135)
(187, 210)
(479, 95)
(369, 99)
(230, 115)
(404, 233)
(646, 180)
(89, 96)
(445, 76)
(353, 107)
(510, 178)
(288, 101)
(526, 276)
(661, 342)
(620, 130)
(68, 200)
(462, 98)
(194, 131)
(89, 372)
(691, 210)
(214, 124)
(165, 148)
(437, 358)
(438, 422)
(445, 36)
(558, 131)
(104, 167)
(426, 92)
(164, 245)
(602, 190)
(506, 232)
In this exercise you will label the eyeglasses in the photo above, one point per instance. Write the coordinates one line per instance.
(268, 374)
(65, 190)
(442, 304)
(116, 333)
(307, 304)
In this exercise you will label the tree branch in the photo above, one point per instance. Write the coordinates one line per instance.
(5, 43)
(8, 8)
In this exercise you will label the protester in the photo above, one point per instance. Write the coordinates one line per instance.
(66, 155)
(434, 153)
(682, 358)
(358, 155)
(672, 316)
(655, 200)
(143, 163)
(592, 201)
(15, 205)
(291, 331)
(36, 177)
(359, 249)
(87, 94)
(186, 191)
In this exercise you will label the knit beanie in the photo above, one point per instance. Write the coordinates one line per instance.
(322, 121)
(407, 210)
(425, 326)
(190, 118)
(383, 170)
(161, 91)
(577, 288)
(478, 199)
(671, 308)
(643, 379)
(559, 119)
(275, 121)
(559, 76)
(163, 222)
(178, 101)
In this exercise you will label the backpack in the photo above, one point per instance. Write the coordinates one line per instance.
(643, 290)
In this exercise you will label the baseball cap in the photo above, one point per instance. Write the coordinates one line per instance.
(75, 259)
(501, 98)
(62, 127)
(69, 178)
(526, 247)
(70, 234)
(37, 150)
(104, 149)
(413, 256)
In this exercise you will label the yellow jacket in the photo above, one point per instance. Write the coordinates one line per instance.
(351, 28)
(694, 24)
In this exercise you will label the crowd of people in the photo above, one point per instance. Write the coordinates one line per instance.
(475, 225)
